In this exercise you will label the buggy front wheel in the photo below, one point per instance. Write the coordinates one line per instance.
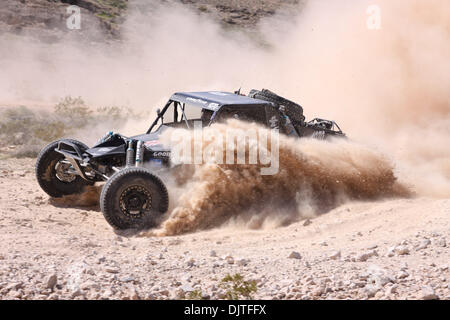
(134, 198)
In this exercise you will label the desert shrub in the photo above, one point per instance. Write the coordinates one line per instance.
(237, 288)
(26, 127)
(114, 113)
(49, 130)
(16, 125)
(195, 295)
(121, 4)
(203, 8)
(73, 111)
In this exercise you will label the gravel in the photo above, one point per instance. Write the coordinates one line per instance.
(49, 261)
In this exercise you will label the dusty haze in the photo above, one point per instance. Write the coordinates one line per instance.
(313, 177)
(388, 88)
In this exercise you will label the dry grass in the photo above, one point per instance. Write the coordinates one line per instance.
(30, 129)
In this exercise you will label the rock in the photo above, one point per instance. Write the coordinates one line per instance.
(77, 293)
(221, 294)
(14, 286)
(90, 285)
(187, 278)
(51, 281)
(441, 243)
(295, 255)
(428, 293)
(107, 294)
(335, 255)
(176, 283)
(15, 294)
(206, 296)
(132, 294)
(128, 279)
(90, 271)
(391, 290)
(379, 276)
(186, 288)
(213, 253)
(190, 262)
(178, 294)
(362, 257)
(53, 296)
(402, 274)
(317, 291)
(390, 252)
(112, 270)
(307, 222)
(150, 296)
(423, 244)
(242, 262)
(164, 292)
(401, 250)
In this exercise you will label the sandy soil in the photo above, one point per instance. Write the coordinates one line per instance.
(394, 249)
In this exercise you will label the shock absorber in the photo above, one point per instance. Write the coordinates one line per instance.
(139, 154)
(131, 156)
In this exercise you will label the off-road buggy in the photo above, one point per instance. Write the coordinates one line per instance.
(135, 197)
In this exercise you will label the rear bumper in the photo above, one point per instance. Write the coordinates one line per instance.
(74, 155)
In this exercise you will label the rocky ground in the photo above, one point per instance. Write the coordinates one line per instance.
(393, 249)
(47, 19)
(103, 20)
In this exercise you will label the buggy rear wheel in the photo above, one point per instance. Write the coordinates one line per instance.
(53, 175)
(134, 198)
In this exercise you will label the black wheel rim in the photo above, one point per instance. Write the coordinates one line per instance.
(135, 201)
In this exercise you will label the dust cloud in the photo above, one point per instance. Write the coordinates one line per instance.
(388, 89)
(313, 176)
(88, 198)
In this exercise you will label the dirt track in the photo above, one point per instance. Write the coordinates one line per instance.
(395, 249)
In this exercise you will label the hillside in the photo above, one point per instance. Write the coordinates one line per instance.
(48, 17)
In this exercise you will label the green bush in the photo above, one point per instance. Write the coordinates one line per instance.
(22, 126)
(236, 287)
(195, 295)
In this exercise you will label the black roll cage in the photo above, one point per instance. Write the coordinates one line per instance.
(163, 111)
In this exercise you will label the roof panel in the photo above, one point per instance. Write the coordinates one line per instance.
(213, 100)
